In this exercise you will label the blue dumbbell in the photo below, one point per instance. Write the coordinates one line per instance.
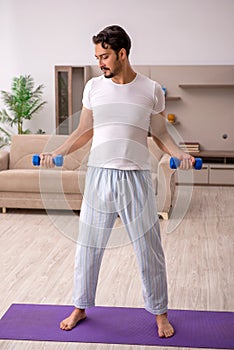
(58, 160)
(175, 163)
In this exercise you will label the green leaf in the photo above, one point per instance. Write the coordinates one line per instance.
(22, 102)
(5, 132)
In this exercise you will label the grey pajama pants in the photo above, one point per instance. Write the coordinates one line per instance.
(129, 194)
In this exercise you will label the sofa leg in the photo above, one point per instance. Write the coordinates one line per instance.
(4, 210)
(163, 215)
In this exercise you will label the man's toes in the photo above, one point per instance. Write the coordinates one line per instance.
(64, 326)
(165, 333)
(161, 333)
(169, 333)
(67, 328)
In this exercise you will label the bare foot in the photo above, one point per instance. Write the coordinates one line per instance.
(71, 321)
(165, 329)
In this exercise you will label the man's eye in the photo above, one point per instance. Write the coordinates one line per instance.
(105, 57)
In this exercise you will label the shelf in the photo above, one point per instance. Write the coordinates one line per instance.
(213, 154)
(174, 123)
(173, 98)
(216, 157)
(206, 86)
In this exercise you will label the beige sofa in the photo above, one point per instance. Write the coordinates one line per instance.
(24, 186)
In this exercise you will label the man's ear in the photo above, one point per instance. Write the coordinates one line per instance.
(122, 54)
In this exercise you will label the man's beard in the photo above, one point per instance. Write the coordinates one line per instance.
(107, 73)
(110, 75)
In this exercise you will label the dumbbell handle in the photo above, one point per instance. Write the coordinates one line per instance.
(175, 163)
(58, 160)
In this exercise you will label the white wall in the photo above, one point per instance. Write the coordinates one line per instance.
(36, 35)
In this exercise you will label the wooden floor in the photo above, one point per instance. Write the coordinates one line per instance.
(37, 254)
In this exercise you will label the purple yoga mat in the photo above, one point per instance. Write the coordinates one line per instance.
(118, 325)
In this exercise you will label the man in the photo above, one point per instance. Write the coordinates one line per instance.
(118, 109)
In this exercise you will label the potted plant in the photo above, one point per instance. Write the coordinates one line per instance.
(21, 103)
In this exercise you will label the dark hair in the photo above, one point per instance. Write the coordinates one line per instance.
(115, 37)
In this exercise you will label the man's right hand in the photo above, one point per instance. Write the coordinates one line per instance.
(47, 160)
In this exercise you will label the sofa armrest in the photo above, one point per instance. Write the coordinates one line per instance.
(164, 162)
(4, 160)
(166, 184)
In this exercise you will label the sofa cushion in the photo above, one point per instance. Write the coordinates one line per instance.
(4, 160)
(46, 180)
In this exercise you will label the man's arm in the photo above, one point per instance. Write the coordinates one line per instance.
(166, 143)
(77, 139)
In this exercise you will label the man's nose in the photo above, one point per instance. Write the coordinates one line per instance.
(100, 63)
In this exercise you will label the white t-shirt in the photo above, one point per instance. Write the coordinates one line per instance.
(121, 119)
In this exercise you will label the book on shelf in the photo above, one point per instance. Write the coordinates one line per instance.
(193, 147)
